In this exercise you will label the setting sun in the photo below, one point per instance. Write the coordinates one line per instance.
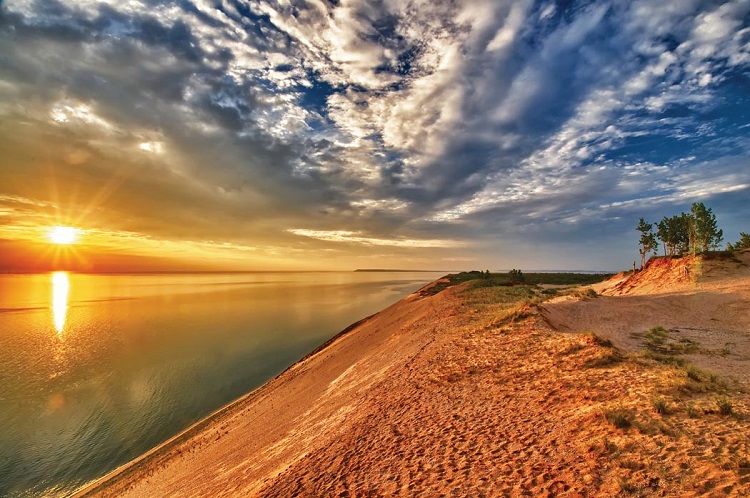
(63, 235)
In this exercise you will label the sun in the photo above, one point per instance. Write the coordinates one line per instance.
(62, 235)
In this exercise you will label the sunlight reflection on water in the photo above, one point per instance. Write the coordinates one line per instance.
(60, 290)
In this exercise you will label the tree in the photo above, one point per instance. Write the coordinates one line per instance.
(676, 234)
(704, 233)
(693, 232)
(743, 243)
(647, 241)
(516, 276)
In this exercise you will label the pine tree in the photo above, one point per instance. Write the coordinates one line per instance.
(647, 241)
(516, 276)
(743, 243)
(704, 232)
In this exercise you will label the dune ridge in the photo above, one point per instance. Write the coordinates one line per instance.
(457, 394)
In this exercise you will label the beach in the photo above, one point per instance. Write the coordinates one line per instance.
(639, 386)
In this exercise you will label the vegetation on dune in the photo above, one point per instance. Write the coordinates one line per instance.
(668, 401)
(516, 276)
(647, 241)
(485, 279)
(694, 232)
(619, 416)
(743, 243)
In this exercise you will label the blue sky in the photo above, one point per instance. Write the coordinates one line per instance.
(322, 134)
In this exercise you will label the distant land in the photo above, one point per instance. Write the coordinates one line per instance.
(587, 272)
(403, 271)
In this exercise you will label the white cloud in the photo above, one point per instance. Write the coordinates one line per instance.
(77, 113)
(351, 237)
(153, 147)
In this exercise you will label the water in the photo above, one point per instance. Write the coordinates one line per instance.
(97, 369)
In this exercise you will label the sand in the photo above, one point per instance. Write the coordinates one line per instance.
(449, 395)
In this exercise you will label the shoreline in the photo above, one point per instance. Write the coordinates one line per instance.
(112, 476)
(119, 472)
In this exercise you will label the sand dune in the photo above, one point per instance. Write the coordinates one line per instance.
(439, 396)
(709, 304)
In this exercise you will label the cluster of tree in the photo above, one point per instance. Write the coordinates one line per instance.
(516, 276)
(743, 243)
(684, 233)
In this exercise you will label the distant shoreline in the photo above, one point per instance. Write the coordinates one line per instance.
(584, 272)
(386, 270)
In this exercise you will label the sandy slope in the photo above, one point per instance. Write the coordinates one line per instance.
(277, 425)
(709, 304)
(436, 396)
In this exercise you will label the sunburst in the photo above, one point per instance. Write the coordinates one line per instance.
(63, 235)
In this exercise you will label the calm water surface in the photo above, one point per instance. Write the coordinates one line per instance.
(97, 369)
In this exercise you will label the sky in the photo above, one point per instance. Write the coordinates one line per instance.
(342, 134)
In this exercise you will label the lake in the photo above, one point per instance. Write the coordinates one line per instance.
(97, 369)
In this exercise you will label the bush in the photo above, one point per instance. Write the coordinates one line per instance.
(516, 276)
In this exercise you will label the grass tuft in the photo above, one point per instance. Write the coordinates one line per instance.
(725, 406)
(666, 359)
(660, 406)
(627, 487)
(587, 293)
(695, 373)
(619, 417)
(600, 341)
(606, 360)
(692, 411)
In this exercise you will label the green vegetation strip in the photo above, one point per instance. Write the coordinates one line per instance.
(485, 279)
